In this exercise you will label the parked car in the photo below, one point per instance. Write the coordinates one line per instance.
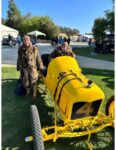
(6, 41)
(106, 45)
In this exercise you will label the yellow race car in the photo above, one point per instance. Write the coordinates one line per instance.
(78, 99)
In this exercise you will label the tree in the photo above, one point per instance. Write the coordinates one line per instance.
(105, 24)
(29, 23)
(113, 1)
(47, 26)
(75, 31)
(43, 24)
(99, 28)
(109, 15)
(69, 31)
(14, 15)
(26, 24)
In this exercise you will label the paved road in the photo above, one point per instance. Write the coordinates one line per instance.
(9, 56)
(95, 63)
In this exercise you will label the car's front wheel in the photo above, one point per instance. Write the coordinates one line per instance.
(36, 129)
(110, 106)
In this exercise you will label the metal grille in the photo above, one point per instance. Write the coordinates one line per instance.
(84, 109)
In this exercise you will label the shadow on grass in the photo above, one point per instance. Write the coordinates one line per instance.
(16, 122)
(16, 116)
(87, 52)
(103, 140)
(108, 76)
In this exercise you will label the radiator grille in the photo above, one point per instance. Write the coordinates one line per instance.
(84, 109)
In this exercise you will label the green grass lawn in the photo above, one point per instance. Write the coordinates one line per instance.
(89, 52)
(16, 114)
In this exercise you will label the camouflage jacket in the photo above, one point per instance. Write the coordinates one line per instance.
(28, 62)
(28, 57)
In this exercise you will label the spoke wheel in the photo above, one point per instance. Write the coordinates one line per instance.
(36, 129)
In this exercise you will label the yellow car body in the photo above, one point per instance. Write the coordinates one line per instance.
(79, 101)
(70, 89)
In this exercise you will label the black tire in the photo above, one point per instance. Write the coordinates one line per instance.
(36, 129)
(108, 105)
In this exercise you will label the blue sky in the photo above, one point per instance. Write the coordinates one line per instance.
(79, 14)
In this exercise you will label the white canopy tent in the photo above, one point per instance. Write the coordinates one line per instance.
(5, 31)
(36, 33)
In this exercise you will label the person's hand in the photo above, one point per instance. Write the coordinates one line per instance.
(43, 71)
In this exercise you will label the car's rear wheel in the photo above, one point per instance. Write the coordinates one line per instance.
(36, 129)
(110, 106)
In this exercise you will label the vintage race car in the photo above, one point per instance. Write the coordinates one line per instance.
(79, 101)
(75, 94)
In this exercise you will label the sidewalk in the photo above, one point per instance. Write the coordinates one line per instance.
(8, 65)
(86, 62)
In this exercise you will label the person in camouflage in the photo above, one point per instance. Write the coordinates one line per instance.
(29, 63)
(63, 50)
